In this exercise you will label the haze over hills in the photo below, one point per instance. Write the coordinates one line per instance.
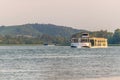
(38, 29)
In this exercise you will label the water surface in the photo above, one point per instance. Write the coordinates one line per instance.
(57, 63)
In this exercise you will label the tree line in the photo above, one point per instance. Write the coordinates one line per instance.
(40, 39)
(113, 38)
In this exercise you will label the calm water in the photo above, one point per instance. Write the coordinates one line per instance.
(57, 63)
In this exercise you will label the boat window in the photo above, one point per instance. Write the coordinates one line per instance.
(85, 40)
(75, 40)
(104, 44)
(85, 35)
(92, 42)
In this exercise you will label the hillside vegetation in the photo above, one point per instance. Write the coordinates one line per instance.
(36, 34)
(38, 29)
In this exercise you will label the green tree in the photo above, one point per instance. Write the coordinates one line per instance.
(116, 37)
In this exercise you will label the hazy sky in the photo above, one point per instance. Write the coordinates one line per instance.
(82, 14)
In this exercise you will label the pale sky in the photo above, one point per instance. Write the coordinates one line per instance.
(82, 14)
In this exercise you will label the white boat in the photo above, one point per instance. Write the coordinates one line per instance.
(49, 45)
(89, 42)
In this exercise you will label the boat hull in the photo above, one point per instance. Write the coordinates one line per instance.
(85, 45)
(76, 45)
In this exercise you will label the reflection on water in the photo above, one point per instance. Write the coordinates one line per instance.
(57, 63)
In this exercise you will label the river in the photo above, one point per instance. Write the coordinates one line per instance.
(58, 62)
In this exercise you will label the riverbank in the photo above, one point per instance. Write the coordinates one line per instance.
(113, 44)
(109, 78)
(21, 44)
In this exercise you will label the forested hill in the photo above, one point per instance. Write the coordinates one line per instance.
(38, 30)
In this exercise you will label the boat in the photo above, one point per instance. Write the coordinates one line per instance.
(49, 44)
(89, 42)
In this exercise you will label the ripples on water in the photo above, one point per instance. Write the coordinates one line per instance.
(57, 63)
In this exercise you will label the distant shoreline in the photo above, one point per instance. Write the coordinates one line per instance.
(20, 44)
(113, 44)
(43, 45)
(106, 78)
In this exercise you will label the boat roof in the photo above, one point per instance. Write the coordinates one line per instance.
(97, 38)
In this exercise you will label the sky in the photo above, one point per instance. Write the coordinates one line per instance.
(82, 14)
